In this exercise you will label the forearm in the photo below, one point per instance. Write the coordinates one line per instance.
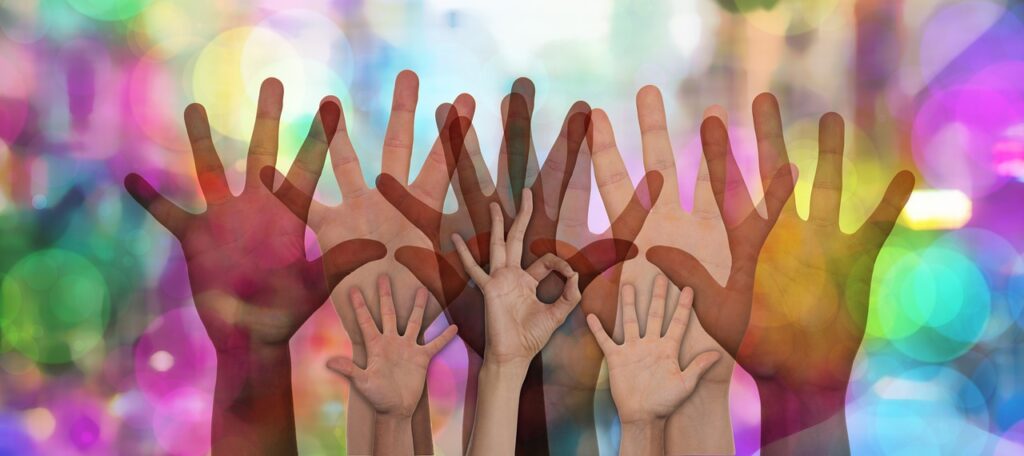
(252, 403)
(642, 438)
(422, 434)
(571, 424)
(497, 409)
(806, 422)
(828, 437)
(531, 422)
(702, 425)
(392, 435)
(360, 420)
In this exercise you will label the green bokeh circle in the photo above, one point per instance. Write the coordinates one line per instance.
(932, 304)
(54, 306)
(109, 10)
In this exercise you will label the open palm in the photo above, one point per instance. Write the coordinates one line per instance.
(246, 254)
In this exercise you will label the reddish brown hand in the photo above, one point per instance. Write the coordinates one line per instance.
(250, 279)
(245, 254)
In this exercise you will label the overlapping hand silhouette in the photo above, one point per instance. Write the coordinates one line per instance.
(812, 292)
(396, 366)
(251, 281)
(519, 324)
(364, 213)
(810, 289)
(702, 234)
(439, 269)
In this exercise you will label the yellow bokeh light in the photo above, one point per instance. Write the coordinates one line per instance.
(40, 423)
(788, 17)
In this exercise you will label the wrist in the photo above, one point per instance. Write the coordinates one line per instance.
(787, 411)
(644, 436)
(263, 367)
(393, 419)
(642, 423)
(505, 368)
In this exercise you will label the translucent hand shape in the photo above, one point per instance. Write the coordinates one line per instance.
(247, 266)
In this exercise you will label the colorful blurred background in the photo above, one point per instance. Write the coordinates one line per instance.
(101, 351)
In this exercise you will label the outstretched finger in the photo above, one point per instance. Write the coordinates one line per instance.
(630, 323)
(828, 178)
(497, 237)
(610, 172)
(264, 142)
(309, 161)
(880, 223)
(367, 327)
(209, 169)
(345, 162)
(431, 184)
(603, 340)
(346, 368)
(516, 158)
(697, 368)
(726, 181)
(168, 214)
(656, 312)
(681, 317)
(771, 145)
(517, 233)
(657, 148)
(419, 303)
(468, 263)
(398, 137)
(388, 319)
(556, 175)
(435, 346)
(704, 204)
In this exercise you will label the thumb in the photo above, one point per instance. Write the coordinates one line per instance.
(697, 368)
(346, 368)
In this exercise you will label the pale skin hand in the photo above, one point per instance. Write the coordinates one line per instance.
(518, 325)
(645, 402)
(705, 238)
(396, 367)
(364, 213)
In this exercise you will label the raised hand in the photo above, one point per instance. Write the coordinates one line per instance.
(644, 402)
(572, 360)
(723, 310)
(811, 289)
(811, 295)
(396, 366)
(518, 324)
(441, 271)
(702, 425)
(364, 213)
(250, 279)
